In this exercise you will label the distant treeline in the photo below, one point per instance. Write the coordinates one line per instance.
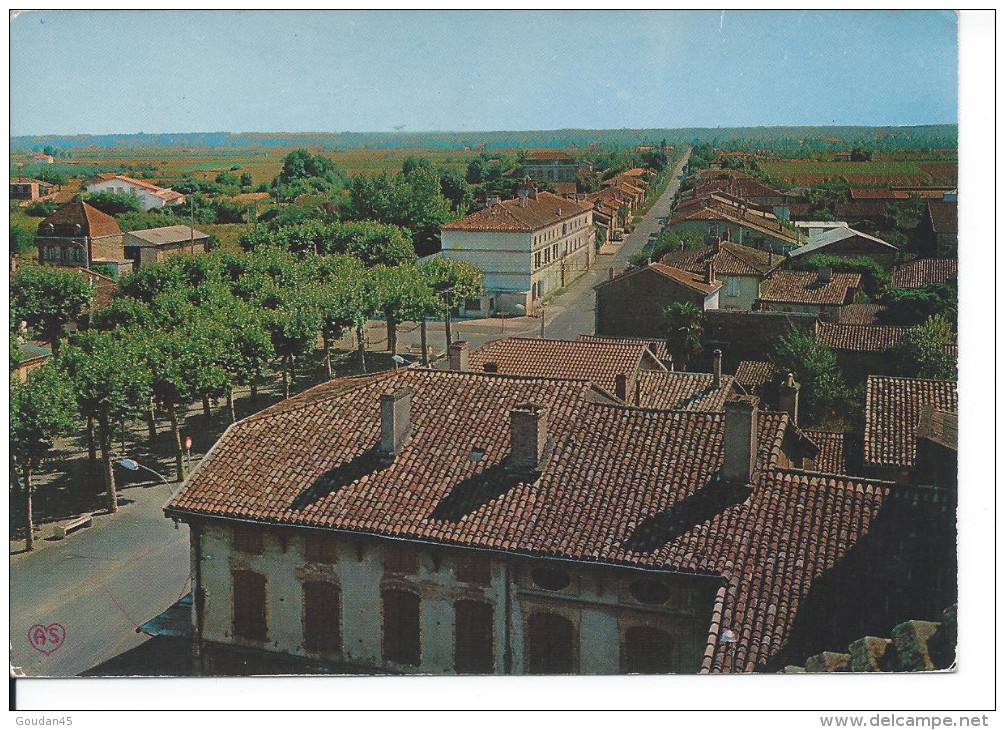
(939, 135)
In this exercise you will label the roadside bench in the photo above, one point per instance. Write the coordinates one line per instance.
(72, 526)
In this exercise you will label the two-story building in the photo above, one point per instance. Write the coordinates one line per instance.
(152, 196)
(741, 269)
(823, 293)
(28, 188)
(528, 247)
(80, 235)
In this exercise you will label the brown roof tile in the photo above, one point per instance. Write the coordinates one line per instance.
(831, 456)
(754, 373)
(944, 215)
(656, 347)
(862, 313)
(922, 272)
(728, 258)
(92, 221)
(892, 409)
(860, 337)
(544, 210)
(805, 287)
(682, 391)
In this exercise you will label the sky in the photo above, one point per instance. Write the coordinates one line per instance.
(122, 71)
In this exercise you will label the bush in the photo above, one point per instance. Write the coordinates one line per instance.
(815, 367)
(21, 239)
(914, 306)
(923, 352)
(114, 203)
(42, 208)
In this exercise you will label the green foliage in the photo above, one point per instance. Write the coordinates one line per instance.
(114, 203)
(306, 173)
(914, 306)
(454, 281)
(455, 188)
(110, 379)
(874, 277)
(816, 368)
(246, 180)
(22, 239)
(41, 208)
(371, 242)
(924, 351)
(684, 332)
(227, 178)
(48, 299)
(824, 197)
(143, 220)
(40, 410)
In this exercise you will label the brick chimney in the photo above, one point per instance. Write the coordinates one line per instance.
(825, 275)
(458, 352)
(788, 399)
(395, 422)
(717, 369)
(710, 272)
(739, 440)
(528, 437)
(621, 386)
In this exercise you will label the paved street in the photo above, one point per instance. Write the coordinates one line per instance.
(100, 583)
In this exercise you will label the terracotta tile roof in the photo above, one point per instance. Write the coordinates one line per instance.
(656, 347)
(682, 391)
(831, 456)
(727, 258)
(805, 287)
(921, 272)
(860, 337)
(539, 212)
(599, 361)
(754, 373)
(29, 180)
(621, 485)
(92, 221)
(944, 215)
(565, 188)
(688, 278)
(104, 176)
(862, 313)
(892, 409)
(715, 211)
(740, 187)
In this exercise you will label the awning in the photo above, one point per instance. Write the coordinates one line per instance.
(175, 621)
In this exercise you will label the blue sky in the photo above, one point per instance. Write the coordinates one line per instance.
(100, 72)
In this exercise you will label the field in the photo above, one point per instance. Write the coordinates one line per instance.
(865, 174)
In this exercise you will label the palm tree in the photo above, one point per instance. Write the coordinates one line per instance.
(684, 332)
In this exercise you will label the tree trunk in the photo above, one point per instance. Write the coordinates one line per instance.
(328, 354)
(207, 414)
(179, 461)
(293, 372)
(286, 383)
(422, 335)
(230, 404)
(446, 326)
(151, 423)
(254, 391)
(29, 520)
(392, 332)
(362, 348)
(105, 440)
(92, 450)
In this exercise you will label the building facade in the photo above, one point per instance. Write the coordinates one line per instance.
(155, 245)
(151, 196)
(79, 235)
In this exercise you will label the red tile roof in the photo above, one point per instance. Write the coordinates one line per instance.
(544, 210)
(103, 176)
(656, 347)
(727, 258)
(862, 313)
(860, 337)
(831, 457)
(892, 409)
(805, 287)
(598, 361)
(922, 272)
(92, 221)
(716, 211)
(944, 215)
(619, 486)
(754, 373)
(682, 391)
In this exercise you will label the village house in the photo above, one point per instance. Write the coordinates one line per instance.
(849, 243)
(740, 268)
(823, 293)
(922, 272)
(745, 187)
(939, 227)
(80, 235)
(152, 196)
(553, 165)
(30, 356)
(719, 216)
(427, 521)
(43, 159)
(154, 245)
(28, 188)
(749, 335)
(632, 304)
(528, 247)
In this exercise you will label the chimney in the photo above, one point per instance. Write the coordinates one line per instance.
(528, 437)
(788, 399)
(825, 275)
(621, 386)
(739, 440)
(458, 352)
(717, 369)
(395, 422)
(710, 272)
(718, 244)
(492, 199)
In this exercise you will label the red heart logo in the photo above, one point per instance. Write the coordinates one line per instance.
(46, 639)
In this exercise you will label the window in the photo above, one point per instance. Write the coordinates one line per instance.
(400, 558)
(647, 651)
(537, 260)
(551, 579)
(551, 644)
(473, 637)
(401, 626)
(320, 548)
(732, 286)
(565, 228)
(247, 540)
(322, 632)
(473, 570)
(249, 605)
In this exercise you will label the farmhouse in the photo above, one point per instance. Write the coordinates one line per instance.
(28, 188)
(79, 235)
(151, 195)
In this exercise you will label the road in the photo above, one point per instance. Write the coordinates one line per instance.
(99, 583)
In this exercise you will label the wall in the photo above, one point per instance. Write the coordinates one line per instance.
(750, 335)
(749, 291)
(597, 601)
(632, 306)
(121, 186)
(826, 313)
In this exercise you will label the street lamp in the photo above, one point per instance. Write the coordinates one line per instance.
(132, 465)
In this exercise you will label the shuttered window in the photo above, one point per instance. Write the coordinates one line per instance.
(322, 630)
(552, 644)
(401, 626)
(473, 637)
(249, 605)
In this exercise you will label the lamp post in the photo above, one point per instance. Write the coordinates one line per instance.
(132, 465)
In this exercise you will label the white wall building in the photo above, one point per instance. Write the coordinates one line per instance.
(152, 196)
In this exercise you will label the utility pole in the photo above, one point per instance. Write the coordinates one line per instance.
(191, 228)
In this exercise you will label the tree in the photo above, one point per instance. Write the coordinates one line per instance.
(924, 351)
(914, 306)
(455, 188)
(22, 239)
(247, 350)
(404, 295)
(413, 162)
(48, 299)
(114, 203)
(453, 281)
(40, 410)
(42, 208)
(111, 383)
(293, 328)
(684, 331)
(246, 180)
(816, 368)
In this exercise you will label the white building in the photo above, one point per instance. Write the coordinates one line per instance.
(528, 247)
(152, 196)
